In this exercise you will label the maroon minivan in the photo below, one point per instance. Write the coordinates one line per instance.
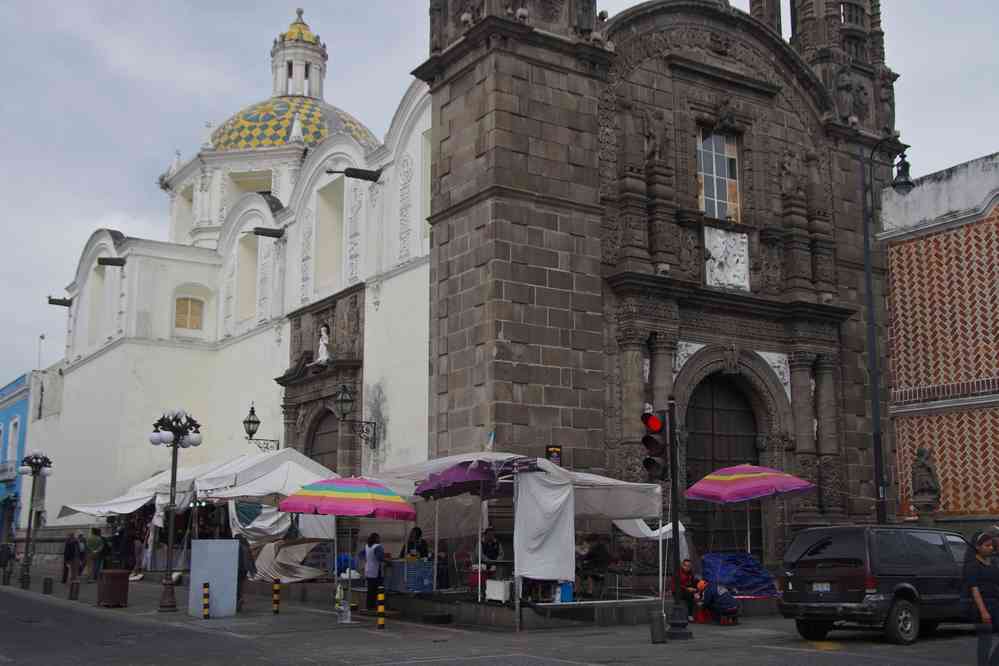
(905, 580)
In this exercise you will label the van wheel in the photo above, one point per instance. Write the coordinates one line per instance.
(903, 622)
(813, 631)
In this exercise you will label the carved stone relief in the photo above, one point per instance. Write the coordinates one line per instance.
(551, 10)
(354, 234)
(778, 362)
(405, 205)
(306, 286)
(684, 350)
(726, 259)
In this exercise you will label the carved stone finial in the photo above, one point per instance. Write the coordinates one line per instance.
(207, 143)
(298, 14)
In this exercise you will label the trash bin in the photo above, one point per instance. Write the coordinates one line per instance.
(112, 588)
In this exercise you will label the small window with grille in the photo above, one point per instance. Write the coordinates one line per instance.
(718, 175)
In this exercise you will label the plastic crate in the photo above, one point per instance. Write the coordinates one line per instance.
(410, 576)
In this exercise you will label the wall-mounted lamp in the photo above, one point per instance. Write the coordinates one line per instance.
(359, 174)
(250, 425)
(111, 261)
(343, 406)
(267, 232)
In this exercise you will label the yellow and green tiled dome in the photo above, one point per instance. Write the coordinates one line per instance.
(268, 124)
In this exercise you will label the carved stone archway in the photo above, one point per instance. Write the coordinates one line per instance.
(770, 404)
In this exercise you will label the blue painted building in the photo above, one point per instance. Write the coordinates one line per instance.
(14, 402)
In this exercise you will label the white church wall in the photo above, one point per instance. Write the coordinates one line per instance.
(396, 343)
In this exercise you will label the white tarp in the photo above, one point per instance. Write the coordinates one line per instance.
(639, 529)
(544, 527)
(260, 475)
(545, 508)
(271, 525)
(283, 560)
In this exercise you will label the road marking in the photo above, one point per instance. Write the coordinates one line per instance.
(859, 655)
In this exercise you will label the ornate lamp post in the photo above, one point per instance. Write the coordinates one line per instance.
(35, 464)
(177, 430)
(343, 406)
(251, 424)
(902, 184)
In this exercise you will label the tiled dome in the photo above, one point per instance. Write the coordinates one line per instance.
(268, 124)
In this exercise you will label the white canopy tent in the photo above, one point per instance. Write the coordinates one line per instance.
(264, 477)
(156, 488)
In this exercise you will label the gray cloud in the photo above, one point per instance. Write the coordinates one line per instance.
(97, 96)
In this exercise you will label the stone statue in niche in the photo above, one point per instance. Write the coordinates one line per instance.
(925, 484)
(844, 92)
(322, 357)
(731, 354)
(886, 98)
(655, 135)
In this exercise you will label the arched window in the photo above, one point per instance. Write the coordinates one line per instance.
(329, 237)
(189, 313)
(246, 288)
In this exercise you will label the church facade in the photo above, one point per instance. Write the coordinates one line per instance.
(664, 204)
(265, 247)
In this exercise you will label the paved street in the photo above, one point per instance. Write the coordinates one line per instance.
(51, 630)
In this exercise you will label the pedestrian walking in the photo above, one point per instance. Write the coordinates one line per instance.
(81, 546)
(70, 559)
(246, 566)
(982, 582)
(95, 553)
(373, 556)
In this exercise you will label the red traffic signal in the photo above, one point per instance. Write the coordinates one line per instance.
(656, 443)
(654, 422)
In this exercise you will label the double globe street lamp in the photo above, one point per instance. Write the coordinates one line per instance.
(178, 430)
(35, 464)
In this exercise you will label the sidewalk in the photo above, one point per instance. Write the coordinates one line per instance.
(256, 618)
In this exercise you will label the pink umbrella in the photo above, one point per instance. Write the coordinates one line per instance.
(746, 482)
(349, 497)
(743, 483)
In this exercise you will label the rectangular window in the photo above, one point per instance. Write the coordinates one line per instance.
(718, 176)
(189, 313)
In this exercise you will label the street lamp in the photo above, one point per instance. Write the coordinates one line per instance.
(178, 430)
(35, 464)
(343, 406)
(251, 424)
(902, 184)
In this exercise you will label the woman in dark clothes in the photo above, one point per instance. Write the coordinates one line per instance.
(982, 581)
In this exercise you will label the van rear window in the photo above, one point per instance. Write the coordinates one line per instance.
(843, 547)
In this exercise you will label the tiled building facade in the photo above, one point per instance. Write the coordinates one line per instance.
(943, 304)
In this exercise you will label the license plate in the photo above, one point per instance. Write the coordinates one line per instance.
(820, 587)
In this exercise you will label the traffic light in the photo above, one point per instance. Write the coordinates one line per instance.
(656, 442)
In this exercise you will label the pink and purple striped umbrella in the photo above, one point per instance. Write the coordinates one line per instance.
(349, 497)
(746, 482)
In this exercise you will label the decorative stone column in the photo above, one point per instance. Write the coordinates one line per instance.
(634, 219)
(803, 408)
(632, 385)
(830, 462)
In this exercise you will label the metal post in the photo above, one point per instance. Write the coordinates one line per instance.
(867, 191)
(437, 541)
(749, 542)
(276, 596)
(205, 604)
(662, 584)
(26, 562)
(168, 601)
(678, 615)
(478, 575)
(516, 578)
(381, 607)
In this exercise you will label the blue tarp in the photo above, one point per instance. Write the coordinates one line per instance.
(740, 572)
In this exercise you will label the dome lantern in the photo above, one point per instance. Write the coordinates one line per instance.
(298, 61)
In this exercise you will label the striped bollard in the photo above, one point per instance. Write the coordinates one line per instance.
(205, 613)
(381, 606)
(276, 596)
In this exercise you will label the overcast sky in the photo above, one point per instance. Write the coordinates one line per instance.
(98, 95)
